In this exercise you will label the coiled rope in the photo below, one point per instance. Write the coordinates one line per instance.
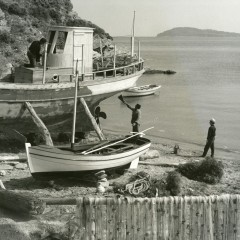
(138, 186)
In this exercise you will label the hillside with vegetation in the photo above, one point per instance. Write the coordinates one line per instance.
(23, 21)
(195, 32)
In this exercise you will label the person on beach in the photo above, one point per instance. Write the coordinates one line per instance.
(136, 114)
(35, 51)
(210, 138)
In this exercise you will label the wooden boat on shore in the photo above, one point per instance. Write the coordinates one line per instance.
(141, 90)
(51, 160)
(46, 161)
(50, 88)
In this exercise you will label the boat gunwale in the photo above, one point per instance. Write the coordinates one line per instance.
(116, 157)
(61, 85)
(44, 148)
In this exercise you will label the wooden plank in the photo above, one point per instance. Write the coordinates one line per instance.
(134, 219)
(180, 214)
(237, 215)
(154, 219)
(176, 217)
(225, 217)
(80, 218)
(110, 218)
(118, 219)
(170, 217)
(185, 218)
(100, 219)
(195, 218)
(221, 212)
(144, 219)
(60, 201)
(41, 126)
(159, 217)
(122, 219)
(199, 217)
(128, 218)
(139, 220)
(191, 219)
(162, 219)
(217, 217)
(92, 208)
(165, 219)
(210, 218)
(93, 121)
(148, 219)
(113, 150)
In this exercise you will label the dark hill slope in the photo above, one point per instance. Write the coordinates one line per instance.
(191, 32)
(22, 21)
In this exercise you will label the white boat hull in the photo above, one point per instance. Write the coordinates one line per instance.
(53, 102)
(140, 91)
(46, 159)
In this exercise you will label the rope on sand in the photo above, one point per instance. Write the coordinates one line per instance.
(138, 186)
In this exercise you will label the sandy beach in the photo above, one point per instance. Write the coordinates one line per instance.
(19, 178)
(57, 219)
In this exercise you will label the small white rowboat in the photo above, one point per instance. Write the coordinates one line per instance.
(141, 90)
(46, 160)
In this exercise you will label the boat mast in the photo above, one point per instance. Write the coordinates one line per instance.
(44, 63)
(75, 106)
(133, 33)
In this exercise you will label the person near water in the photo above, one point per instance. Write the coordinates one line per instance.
(35, 51)
(136, 114)
(210, 138)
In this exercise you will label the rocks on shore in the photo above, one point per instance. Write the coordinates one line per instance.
(102, 182)
(158, 71)
(150, 154)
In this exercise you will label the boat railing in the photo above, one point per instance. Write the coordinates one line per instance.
(122, 70)
(125, 70)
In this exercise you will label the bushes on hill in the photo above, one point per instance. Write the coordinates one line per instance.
(55, 15)
(78, 22)
(8, 52)
(5, 37)
(39, 12)
(29, 20)
(3, 5)
(14, 8)
(209, 170)
(18, 27)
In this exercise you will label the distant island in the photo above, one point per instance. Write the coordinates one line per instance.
(195, 32)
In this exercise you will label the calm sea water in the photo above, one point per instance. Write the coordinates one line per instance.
(206, 85)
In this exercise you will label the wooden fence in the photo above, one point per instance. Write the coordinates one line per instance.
(167, 218)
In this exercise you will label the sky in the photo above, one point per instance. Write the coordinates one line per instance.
(155, 16)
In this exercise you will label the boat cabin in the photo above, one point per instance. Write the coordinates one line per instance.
(66, 47)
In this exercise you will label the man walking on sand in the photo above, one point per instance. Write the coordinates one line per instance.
(210, 138)
(136, 114)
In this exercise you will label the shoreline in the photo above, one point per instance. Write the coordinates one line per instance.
(188, 146)
(196, 148)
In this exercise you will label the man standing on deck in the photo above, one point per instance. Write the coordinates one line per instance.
(35, 52)
(136, 114)
(210, 138)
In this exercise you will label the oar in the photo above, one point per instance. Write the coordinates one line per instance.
(139, 133)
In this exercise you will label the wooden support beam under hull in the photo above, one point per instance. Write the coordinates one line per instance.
(41, 126)
(93, 121)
